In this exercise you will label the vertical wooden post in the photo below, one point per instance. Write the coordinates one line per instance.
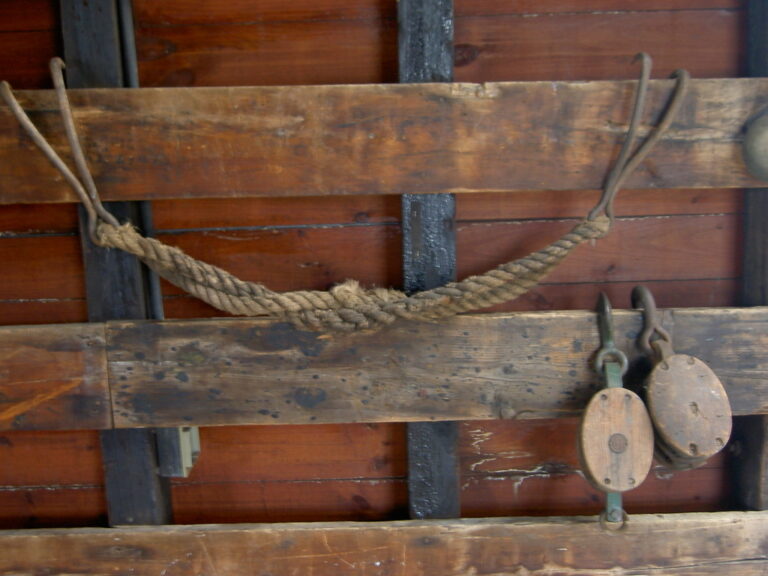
(751, 433)
(116, 285)
(425, 51)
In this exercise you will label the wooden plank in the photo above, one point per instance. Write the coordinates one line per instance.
(42, 458)
(425, 54)
(291, 501)
(574, 545)
(28, 15)
(531, 467)
(224, 47)
(595, 46)
(24, 57)
(671, 249)
(278, 141)
(52, 507)
(280, 53)
(220, 214)
(54, 378)
(545, 7)
(252, 213)
(183, 12)
(115, 283)
(343, 472)
(526, 365)
(550, 489)
(278, 454)
(474, 367)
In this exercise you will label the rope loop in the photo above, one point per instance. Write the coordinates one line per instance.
(347, 306)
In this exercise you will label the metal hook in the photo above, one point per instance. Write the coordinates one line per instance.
(642, 299)
(608, 350)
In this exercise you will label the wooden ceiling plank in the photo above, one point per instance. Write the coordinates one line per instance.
(473, 367)
(376, 139)
(536, 546)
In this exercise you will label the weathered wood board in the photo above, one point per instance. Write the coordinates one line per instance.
(54, 377)
(246, 371)
(528, 365)
(376, 139)
(673, 544)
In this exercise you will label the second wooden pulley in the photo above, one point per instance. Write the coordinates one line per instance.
(687, 402)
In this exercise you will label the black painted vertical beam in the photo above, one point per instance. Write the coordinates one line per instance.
(116, 284)
(425, 51)
(750, 433)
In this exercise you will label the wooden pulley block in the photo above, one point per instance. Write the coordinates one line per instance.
(616, 440)
(690, 411)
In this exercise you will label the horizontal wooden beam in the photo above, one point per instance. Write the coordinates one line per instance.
(674, 544)
(376, 139)
(246, 371)
(54, 378)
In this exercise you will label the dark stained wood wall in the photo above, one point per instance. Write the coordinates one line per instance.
(684, 244)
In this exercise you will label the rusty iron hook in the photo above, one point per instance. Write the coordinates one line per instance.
(642, 299)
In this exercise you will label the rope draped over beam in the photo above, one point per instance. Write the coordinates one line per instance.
(347, 306)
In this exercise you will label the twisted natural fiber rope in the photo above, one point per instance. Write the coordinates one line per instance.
(347, 306)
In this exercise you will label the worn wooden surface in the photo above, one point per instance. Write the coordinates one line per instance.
(425, 54)
(474, 367)
(115, 283)
(54, 378)
(378, 139)
(42, 281)
(182, 43)
(218, 372)
(565, 545)
(339, 472)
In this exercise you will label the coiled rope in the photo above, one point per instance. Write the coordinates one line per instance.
(347, 306)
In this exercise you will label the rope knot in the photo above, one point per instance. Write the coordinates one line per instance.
(596, 228)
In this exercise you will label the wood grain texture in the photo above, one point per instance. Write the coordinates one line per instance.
(281, 53)
(674, 248)
(538, 546)
(54, 378)
(352, 472)
(280, 141)
(473, 367)
(179, 12)
(369, 210)
(597, 45)
(28, 15)
(42, 267)
(45, 457)
(271, 44)
(49, 506)
(292, 501)
(530, 365)
(24, 57)
(544, 7)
